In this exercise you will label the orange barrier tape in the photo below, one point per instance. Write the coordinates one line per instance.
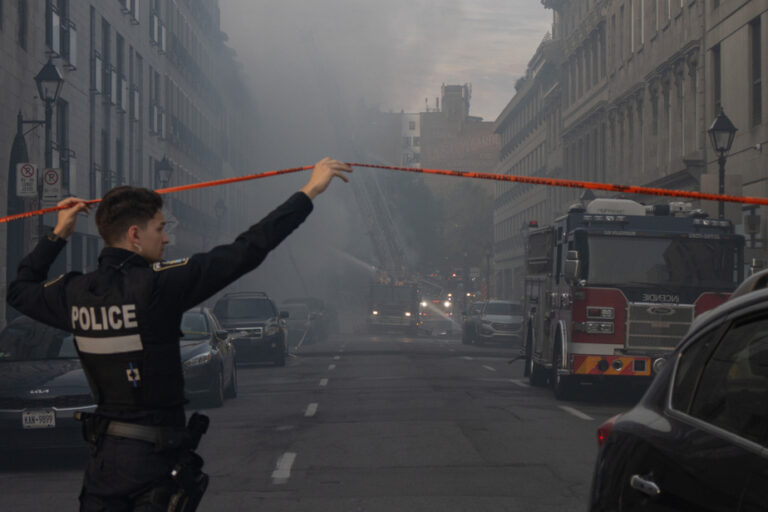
(168, 190)
(553, 182)
(550, 182)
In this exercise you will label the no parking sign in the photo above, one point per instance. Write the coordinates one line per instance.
(51, 187)
(26, 180)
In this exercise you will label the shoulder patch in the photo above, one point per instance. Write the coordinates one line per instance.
(54, 281)
(165, 265)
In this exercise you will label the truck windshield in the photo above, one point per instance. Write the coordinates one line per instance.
(670, 261)
(392, 294)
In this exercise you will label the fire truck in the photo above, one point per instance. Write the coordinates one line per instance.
(613, 285)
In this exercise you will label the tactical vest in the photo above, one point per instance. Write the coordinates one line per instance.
(130, 364)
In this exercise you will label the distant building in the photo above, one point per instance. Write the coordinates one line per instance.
(143, 80)
(452, 139)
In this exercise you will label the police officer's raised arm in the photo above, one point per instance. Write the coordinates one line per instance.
(191, 281)
(29, 293)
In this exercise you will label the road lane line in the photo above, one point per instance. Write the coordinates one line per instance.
(576, 412)
(331, 367)
(311, 410)
(520, 383)
(323, 383)
(468, 358)
(282, 471)
(489, 368)
(336, 358)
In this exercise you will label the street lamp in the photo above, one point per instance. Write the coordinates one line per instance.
(721, 134)
(163, 171)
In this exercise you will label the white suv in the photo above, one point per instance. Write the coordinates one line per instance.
(501, 321)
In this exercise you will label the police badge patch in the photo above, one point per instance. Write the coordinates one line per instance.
(165, 265)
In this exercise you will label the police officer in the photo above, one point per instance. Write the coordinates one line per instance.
(125, 317)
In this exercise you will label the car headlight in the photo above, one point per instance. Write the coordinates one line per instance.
(447, 304)
(375, 313)
(272, 330)
(407, 313)
(423, 304)
(199, 359)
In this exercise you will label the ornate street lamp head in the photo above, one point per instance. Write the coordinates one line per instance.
(164, 171)
(49, 82)
(721, 133)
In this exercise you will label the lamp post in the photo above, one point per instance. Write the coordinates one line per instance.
(721, 134)
(49, 83)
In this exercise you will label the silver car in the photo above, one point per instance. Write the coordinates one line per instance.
(501, 321)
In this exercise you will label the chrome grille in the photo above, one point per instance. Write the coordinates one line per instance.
(505, 327)
(657, 326)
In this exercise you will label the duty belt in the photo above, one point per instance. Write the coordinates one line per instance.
(162, 437)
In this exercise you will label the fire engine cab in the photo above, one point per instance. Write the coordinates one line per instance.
(611, 287)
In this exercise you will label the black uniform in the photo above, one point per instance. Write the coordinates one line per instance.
(125, 317)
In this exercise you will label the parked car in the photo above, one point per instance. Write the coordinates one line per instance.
(301, 324)
(471, 320)
(325, 319)
(208, 356)
(42, 386)
(501, 321)
(254, 324)
(698, 438)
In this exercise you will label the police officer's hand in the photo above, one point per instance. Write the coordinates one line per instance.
(65, 224)
(325, 170)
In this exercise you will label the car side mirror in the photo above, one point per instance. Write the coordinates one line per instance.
(222, 334)
(571, 270)
(284, 314)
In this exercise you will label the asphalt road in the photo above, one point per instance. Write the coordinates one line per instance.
(377, 423)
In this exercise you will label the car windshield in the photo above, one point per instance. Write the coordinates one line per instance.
(668, 262)
(243, 309)
(502, 308)
(194, 326)
(33, 341)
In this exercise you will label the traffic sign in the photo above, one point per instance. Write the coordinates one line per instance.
(51, 187)
(26, 180)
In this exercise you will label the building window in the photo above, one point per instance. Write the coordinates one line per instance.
(22, 36)
(417, 141)
(757, 81)
(716, 78)
(406, 142)
(411, 125)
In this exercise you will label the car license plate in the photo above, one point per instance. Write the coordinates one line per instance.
(38, 419)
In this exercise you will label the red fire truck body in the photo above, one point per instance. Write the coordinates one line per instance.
(612, 287)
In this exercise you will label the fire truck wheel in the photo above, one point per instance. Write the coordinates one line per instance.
(537, 375)
(562, 385)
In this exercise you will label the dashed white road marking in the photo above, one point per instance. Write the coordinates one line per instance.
(311, 410)
(469, 358)
(451, 350)
(282, 471)
(520, 383)
(576, 412)
(489, 368)
(323, 383)
(331, 366)
(283, 428)
(336, 358)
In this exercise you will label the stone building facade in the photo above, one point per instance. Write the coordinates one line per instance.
(639, 82)
(143, 80)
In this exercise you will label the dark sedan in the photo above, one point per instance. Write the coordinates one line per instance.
(209, 358)
(698, 439)
(42, 385)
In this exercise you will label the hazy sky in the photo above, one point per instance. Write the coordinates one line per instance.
(393, 54)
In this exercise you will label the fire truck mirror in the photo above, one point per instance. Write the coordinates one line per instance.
(571, 270)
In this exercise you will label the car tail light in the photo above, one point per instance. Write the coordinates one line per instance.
(604, 430)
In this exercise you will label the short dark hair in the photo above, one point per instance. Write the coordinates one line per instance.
(123, 207)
